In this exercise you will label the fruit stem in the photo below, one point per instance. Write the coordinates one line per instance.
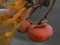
(48, 10)
(34, 8)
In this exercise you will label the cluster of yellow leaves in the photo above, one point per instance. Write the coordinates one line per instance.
(22, 15)
(17, 5)
(16, 22)
(4, 18)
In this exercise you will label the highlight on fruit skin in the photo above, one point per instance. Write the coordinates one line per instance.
(40, 34)
(24, 26)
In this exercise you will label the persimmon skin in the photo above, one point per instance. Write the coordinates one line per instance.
(24, 26)
(40, 34)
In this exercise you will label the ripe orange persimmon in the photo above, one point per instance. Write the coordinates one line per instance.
(40, 34)
(24, 26)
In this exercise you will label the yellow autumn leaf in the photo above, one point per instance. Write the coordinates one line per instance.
(7, 34)
(17, 5)
(22, 15)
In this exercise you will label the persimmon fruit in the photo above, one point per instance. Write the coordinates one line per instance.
(40, 34)
(24, 26)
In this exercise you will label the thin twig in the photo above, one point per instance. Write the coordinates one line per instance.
(48, 10)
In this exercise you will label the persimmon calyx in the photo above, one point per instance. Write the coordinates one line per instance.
(43, 23)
